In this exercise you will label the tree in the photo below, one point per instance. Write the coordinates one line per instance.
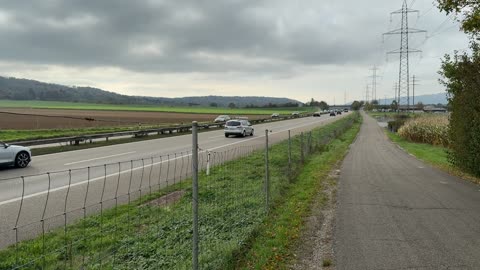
(323, 105)
(356, 105)
(461, 79)
(232, 105)
(467, 13)
(394, 105)
(368, 106)
(213, 104)
(420, 105)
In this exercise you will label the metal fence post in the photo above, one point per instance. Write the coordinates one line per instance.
(195, 194)
(267, 173)
(208, 163)
(289, 155)
(309, 143)
(302, 149)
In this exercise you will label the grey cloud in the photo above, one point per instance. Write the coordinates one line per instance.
(187, 36)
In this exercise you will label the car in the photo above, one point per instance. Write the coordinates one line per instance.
(238, 127)
(332, 113)
(339, 112)
(295, 114)
(221, 119)
(345, 110)
(317, 114)
(14, 155)
(275, 115)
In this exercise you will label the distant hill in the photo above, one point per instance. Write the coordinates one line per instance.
(23, 89)
(440, 98)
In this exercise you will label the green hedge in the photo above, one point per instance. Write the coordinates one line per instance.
(461, 77)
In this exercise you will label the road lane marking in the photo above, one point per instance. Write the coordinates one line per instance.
(142, 167)
(88, 160)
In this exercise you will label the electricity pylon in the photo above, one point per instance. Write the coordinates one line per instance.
(404, 51)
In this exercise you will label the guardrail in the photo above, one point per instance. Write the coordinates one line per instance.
(76, 140)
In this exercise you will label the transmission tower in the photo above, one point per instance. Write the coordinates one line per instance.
(367, 96)
(414, 83)
(374, 82)
(404, 51)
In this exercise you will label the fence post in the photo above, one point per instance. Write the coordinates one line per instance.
(289, 155)
(309, 142)
(208, 163)
(302, 149)
(267, 173)
(195, 193)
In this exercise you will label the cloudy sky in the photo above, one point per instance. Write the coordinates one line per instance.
(298, 49)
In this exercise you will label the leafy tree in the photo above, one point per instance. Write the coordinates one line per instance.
(323, 105)
(394, 105)
(231, 105)
(467, 13)
(214, 104)
(356, 105)
(420, 105)
(461, 79)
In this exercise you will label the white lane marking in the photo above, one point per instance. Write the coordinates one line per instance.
(88, 160)
(138, 168)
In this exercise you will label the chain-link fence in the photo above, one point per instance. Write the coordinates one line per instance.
(138, 214)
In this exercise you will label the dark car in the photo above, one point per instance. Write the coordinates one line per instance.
(332, 113)
(339, 112)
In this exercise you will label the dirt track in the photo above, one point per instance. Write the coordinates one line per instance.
(50, 119)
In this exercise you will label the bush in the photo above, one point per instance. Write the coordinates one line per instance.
(460, 76)
(427, 129)
(399, 121)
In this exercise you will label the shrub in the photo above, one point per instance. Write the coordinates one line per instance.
(427, 129)
(461, 78)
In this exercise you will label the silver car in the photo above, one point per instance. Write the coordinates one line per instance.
(221, 119)
(238, 128)
(18, 156)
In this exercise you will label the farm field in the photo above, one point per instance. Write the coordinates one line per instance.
(34, 119)
(35, 104)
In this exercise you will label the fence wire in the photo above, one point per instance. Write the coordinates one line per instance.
(137, 214)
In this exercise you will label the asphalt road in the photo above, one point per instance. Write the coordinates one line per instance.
(395, 212)
(80, 179)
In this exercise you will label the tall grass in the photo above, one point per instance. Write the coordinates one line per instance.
(430, 129)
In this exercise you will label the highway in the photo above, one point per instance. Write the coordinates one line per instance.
(114, 174)
(396, 212)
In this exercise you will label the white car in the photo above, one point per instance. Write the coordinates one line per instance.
(238, 128)
(221, 119)
(18, 156)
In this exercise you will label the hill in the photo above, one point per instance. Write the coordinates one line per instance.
(23, 89)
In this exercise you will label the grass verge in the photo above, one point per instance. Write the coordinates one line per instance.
(272, 248)
(437, 156)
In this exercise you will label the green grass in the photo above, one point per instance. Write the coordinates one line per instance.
(133, 237)
(274, 246)
(146, 108)
(436, 156)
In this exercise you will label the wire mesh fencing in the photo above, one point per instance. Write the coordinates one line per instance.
(137, 214)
